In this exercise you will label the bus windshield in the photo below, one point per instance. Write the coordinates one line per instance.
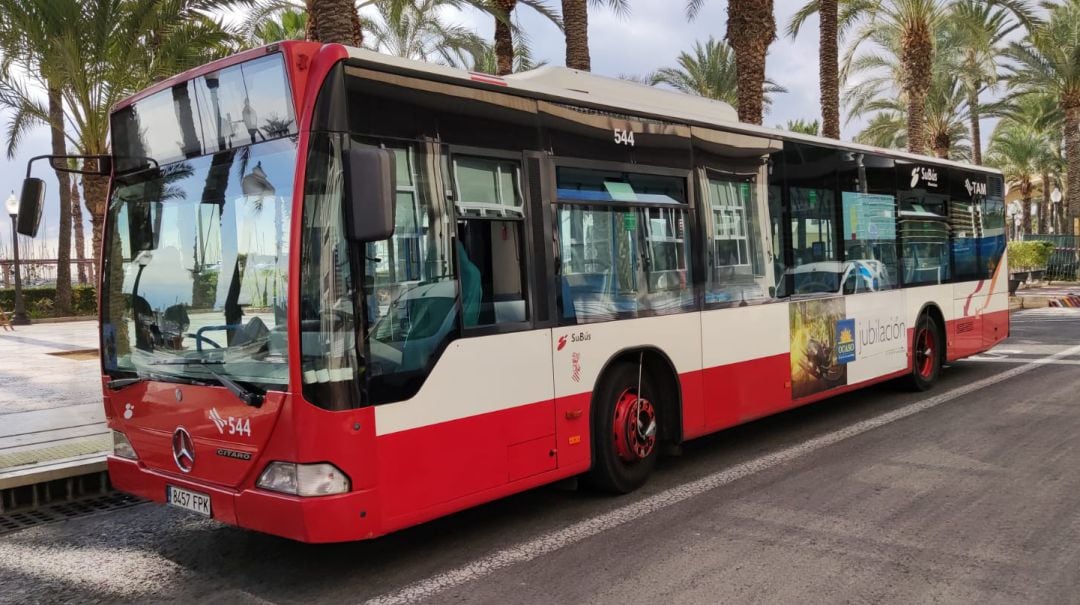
(196, 267)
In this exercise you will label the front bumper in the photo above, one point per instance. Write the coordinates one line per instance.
(340, 518)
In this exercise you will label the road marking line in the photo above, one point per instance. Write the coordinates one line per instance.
(558, 539)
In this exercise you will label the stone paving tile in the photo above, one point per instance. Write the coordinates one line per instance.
(32, 379)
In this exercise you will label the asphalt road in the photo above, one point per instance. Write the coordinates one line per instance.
(966, 494)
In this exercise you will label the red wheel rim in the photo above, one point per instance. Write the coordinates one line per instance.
(925, 352)
(634, 427)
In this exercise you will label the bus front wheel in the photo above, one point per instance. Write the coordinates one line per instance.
(928, 347)
(625, 430)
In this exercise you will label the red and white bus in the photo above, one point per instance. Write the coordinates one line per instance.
(345, 293)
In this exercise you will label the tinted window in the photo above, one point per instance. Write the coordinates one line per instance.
(235, 106)
(490, 249)
(736, 255)
(811, 181)
(924, 224)
(869, 241)
(628, 251)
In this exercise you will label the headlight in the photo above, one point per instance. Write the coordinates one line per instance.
(320, 479)
(121, 447)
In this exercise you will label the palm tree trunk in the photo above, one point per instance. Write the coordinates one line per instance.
(942, 143)
(504, 38)
(976, 128)
(751, 29)
(63, 246)
(1025, 201)
(917, 56)
(575, 14)
(334, 21)
(95, 196)
(829, 72)
(1072, 165)
(77, 223)
(1047, 207)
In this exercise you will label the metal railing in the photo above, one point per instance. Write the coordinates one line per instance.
(1064, 264)
(42, 272)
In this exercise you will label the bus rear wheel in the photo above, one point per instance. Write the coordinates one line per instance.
(928, 347)
(625, 430)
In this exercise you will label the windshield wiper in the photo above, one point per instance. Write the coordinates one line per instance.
(118, 383)
(248, 396)
(187, 362)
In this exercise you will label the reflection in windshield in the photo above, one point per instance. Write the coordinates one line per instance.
(197, 266)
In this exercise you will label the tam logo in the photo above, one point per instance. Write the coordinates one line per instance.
(975, 188)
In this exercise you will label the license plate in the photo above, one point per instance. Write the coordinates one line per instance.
(188, 500)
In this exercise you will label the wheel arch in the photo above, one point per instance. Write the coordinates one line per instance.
(933, 310)
(662, 369)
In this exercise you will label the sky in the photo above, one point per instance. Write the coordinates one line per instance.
(649, 38)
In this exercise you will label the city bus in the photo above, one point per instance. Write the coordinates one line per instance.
(345, 293)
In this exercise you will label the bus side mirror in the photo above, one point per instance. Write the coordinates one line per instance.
(31, 201)
(370, 193)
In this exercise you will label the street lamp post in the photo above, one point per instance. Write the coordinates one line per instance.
(20, 318)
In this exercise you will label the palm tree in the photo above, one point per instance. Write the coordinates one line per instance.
(812, 128)
(1016, 150)
(832, 28)
(976, 30)
(751, 28)
(30, 33)
(122, 46)
(503, 11)
(288, 23)
(334, 21)
(710, 71)
(523, 58)
(575, 16)
(419, 31)
(1040, 115)
(914, 24)
(945, 109)
(1048, 61)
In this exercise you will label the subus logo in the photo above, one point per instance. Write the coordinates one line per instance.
(925, 175)
(974, 188)
(573, 339)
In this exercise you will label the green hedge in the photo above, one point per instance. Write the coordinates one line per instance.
(1028, 256)
(41, 302)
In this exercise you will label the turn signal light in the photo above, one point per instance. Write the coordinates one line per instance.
(121, 447)
(322, 479)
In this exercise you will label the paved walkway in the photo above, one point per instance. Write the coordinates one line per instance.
(52, 423)
(1061, 289)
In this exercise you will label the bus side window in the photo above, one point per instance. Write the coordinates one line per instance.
(736, 249)
(490, 241)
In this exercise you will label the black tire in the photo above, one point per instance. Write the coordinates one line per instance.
(610, 471)
(926, 356)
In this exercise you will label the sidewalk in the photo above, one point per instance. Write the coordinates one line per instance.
(52, 424)
(1056, 294)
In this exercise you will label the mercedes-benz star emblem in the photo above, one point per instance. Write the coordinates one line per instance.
(183, 450)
